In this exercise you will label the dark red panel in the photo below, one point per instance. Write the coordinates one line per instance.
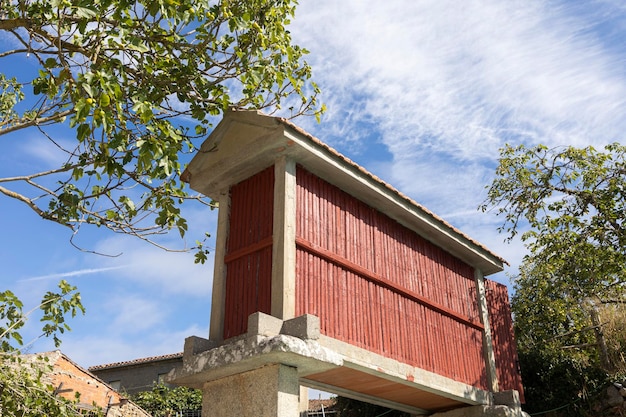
(249, 251)
(502, 334)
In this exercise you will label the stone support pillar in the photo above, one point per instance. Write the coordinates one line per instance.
(490, 358)
(284, 238)
(270, 391)
(216, 331)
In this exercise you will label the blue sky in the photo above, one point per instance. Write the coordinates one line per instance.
(421, 93)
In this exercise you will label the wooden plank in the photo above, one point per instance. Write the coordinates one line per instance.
(249, 250)
(371, 385)
(331, 257)
(501, 325)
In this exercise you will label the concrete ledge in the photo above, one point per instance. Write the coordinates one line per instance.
(263, 325)
(508, 398)
(327, 363)
(391, 369)
(306, 326)
(195, 345)
(251, 353)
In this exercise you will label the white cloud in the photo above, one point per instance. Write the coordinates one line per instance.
(160, 270)
(70, 274)
(92, 349)
(132, 313)
(166, 271)
(463, 78)
(444, 84)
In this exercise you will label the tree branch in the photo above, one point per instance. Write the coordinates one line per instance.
(32, 205)
(10, 24)
(37, 121)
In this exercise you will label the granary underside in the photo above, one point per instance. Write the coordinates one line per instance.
(346, 381)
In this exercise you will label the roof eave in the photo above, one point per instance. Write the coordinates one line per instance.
(259, 140)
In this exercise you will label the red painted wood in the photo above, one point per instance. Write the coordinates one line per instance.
(372, 282)
(503, 338)
(380, 286)
(248, 256)
(382, 282)
(247, 250)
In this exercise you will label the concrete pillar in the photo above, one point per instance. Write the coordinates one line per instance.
(489, 355)
(270, 391)
(304, 399)
(284, 240)
(216, 331)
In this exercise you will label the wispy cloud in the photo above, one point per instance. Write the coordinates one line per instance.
(94, 349)
(463, 79)
(168, 272)
(132, 313)
(70, 274)
(444, 84)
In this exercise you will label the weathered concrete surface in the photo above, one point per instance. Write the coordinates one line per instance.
(504, 404)
(249, 370)
(391, 369)
(297, 343)
(509, 398)
(253, 352)
(270, 391)
(306, 326)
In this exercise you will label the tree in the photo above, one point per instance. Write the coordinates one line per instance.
(23, 390)
(163, 401)
(568, 204)
(138, 83)
(573, 202)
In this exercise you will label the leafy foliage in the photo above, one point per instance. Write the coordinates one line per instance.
(573, 202)
(549, 315)
(163, 401)
(24, 391)
(560, 383)
(54, 306)
(569, 205)
(138, 83)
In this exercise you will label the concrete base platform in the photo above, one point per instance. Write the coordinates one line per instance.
(315, 361)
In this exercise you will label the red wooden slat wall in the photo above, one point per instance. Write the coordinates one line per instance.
(503, 337)
(377, 285)
(249, 251)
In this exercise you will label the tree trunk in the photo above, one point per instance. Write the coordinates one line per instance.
(603, 351)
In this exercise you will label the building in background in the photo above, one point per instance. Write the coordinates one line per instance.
(68, 378)
(137, 375)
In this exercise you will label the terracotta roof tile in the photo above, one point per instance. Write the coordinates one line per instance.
(348, 161)
(137, 361)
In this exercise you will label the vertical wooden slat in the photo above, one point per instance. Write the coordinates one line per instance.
(503, 338)
(248, 277)
(359, 311)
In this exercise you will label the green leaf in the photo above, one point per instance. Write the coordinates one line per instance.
(84, 12)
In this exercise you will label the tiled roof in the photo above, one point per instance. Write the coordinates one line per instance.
(137, 361)
(365, 172)
(316, 405)
(437, 221)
